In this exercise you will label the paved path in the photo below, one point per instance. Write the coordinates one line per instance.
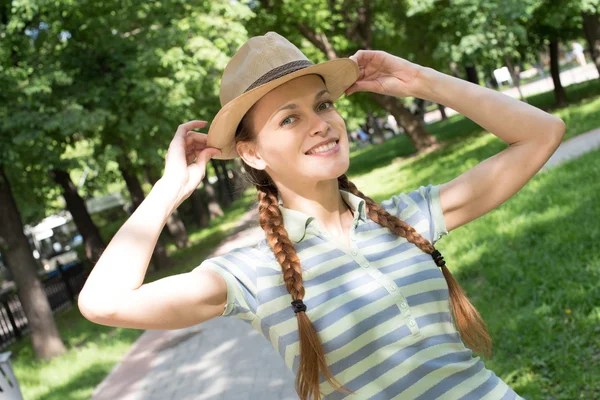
(225, 359)
(574, 75)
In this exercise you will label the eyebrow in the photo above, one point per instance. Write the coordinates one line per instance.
(292, 106)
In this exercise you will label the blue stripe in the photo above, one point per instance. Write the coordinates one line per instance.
(321, 258)
(482, 389)
(334, 273)
(409, 262)
(420, 201)
(435, 318)
(272, 293)
(399, 249)
(308, 243)
(509, 395)
(420, 276)
(365, 325)
(451, 381)
(347, 308)
(385, 237)
(427, 297)
(417, 374)
(245, 268)
(369, 226)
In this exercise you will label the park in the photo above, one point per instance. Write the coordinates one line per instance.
(92, 93)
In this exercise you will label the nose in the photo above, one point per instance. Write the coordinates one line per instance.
(318, 125)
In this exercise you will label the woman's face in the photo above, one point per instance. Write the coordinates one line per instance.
(301, 137)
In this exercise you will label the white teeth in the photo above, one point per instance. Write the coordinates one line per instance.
(323, 148)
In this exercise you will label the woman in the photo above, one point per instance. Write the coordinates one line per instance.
(370, 296)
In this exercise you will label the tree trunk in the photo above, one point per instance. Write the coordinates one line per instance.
(472, 76)
(174, 224)
(227, 181)
(515, 77)
(559, 91)
(420, 138)
(223, 196)
(159, 255)
(492, 78)
(591, 28)
(214, 208)
(442, 109)
(94, 245)
(200, 209)
(46, 340)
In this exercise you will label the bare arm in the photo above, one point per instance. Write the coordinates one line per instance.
(532, 134)
(114, 293)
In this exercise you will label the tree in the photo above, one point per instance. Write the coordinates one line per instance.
(15, 247)
(94, 245)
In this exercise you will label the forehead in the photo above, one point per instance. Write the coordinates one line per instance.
(301, 89)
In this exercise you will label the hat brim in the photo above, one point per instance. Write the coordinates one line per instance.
(338, 74)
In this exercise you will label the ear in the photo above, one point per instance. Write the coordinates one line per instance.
(250, 155)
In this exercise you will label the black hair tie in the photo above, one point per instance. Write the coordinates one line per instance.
(437, 257)
(298, 306)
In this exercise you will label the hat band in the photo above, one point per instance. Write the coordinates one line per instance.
(280, 71)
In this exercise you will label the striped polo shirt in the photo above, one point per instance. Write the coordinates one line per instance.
(380, 307)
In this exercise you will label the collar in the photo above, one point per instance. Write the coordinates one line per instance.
(296, 222)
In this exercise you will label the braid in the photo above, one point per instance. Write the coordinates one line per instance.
(471, 326)
(312, 356)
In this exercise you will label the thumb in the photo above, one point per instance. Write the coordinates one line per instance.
(205, 156)
(359, 86)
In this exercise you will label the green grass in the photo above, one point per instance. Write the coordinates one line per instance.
(531, 266)
(93, 350)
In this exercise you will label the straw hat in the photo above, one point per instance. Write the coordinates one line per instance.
(259, 66)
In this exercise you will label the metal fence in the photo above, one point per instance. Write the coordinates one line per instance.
(61, 286)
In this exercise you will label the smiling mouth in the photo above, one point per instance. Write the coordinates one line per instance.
(323, 148)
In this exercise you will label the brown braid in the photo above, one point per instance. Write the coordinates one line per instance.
(471, 326)
(312, 357)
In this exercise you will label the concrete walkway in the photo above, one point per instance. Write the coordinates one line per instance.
(225, 359)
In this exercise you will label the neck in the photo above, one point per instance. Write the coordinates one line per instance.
(321, 201)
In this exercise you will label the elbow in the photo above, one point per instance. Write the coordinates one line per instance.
(559, 128)
(94, 309)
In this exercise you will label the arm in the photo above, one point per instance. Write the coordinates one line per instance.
(114, 293)
(532, 134)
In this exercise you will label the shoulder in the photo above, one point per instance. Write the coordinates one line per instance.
(421, 209)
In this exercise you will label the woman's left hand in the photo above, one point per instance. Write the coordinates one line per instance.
(383, 73)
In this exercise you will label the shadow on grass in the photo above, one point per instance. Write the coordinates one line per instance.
(82, 382)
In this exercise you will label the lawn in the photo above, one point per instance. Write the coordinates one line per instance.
(531, 266)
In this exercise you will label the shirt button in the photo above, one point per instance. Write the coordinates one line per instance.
(412, 322)
(354, 252)
(392, 288)
(403, 304)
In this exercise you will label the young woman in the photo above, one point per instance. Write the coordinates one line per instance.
(371, 298)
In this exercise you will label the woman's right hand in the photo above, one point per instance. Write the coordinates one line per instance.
(185, 163)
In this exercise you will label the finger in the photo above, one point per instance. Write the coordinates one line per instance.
(190, 157)
(183, 129)
(198, 168)
(362, 86)
(177, 147)
(193, 137)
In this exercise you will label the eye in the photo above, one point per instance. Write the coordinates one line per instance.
(287, 120)
(329, 103)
